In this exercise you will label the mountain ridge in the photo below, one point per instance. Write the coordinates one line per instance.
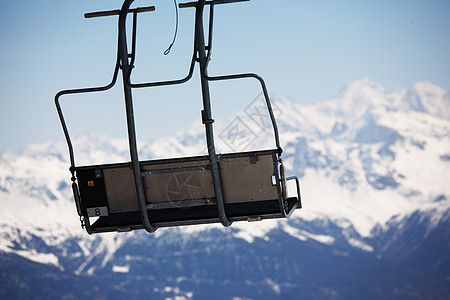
(369, 185)
(368, 156)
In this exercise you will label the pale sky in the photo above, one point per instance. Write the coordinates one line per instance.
(305, 50)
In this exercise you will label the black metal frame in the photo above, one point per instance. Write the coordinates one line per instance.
(125, 62)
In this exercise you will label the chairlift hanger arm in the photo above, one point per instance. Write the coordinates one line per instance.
(131, 124)
(201, 51)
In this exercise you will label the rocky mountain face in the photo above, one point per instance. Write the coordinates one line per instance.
(374, 167)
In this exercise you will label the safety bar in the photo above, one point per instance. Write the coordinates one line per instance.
(117, 12)
(194, 4)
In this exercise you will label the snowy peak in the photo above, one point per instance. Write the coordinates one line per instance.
(364, 112)
(423, 97)
(363, 92)
(355, 99)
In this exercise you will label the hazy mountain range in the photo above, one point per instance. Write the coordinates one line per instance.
(375, 170)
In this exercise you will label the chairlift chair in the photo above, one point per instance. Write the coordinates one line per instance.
(213, 188)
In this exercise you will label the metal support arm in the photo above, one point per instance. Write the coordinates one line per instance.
(207, 114)
(125, 64)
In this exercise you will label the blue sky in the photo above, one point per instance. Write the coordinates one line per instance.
(305, 50)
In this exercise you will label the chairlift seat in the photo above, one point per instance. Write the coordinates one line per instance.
(180, 191)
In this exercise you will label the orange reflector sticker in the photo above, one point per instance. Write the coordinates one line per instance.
(90, 183)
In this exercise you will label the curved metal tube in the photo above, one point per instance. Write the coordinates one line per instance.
(207, 115)
(85, 218)
(266, 97)
(162, 83)
(156, 83)
(79, 91)
(123, 56)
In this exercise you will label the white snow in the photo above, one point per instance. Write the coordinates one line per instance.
(304, 235)
(250, 230)
(43, 258)
(121, 269)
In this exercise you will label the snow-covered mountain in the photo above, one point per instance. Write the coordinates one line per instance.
(374, 167)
